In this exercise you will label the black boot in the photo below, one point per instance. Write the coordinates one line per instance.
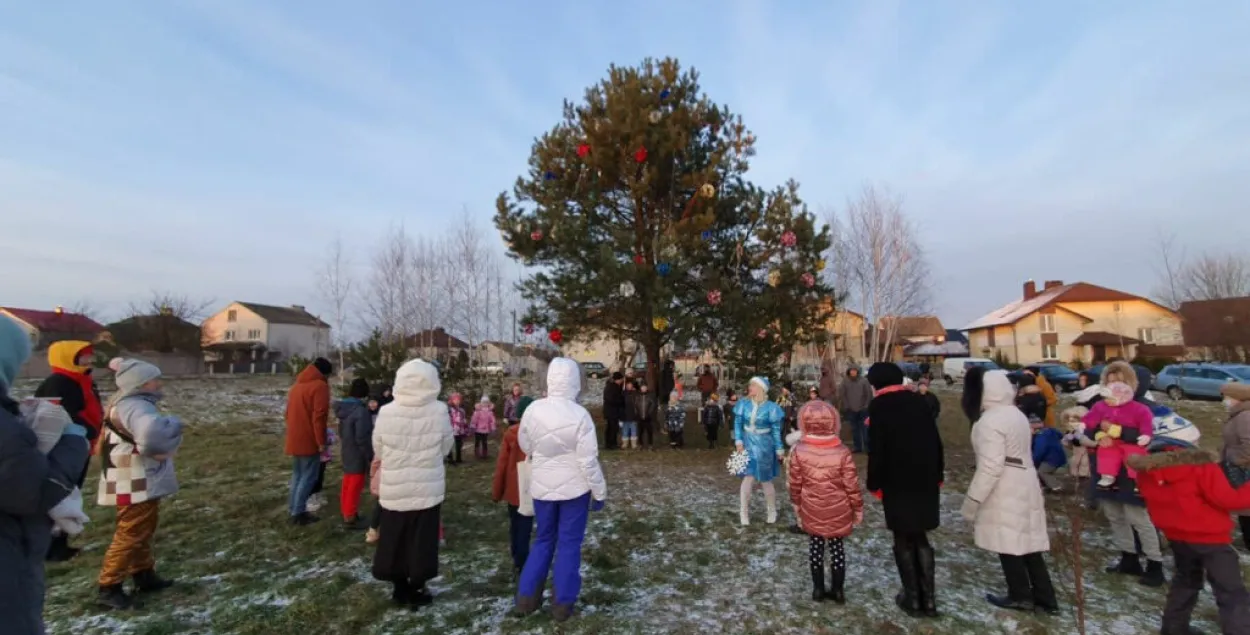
(1006, 602)
(114, 598)
(818, 583)
(925, 577)
(419, 598)
(149, 582)
(1129, 564)
(304, 519)
(59, 549)
(908, 598)
(355, 523)
(1153, 577)
(837, 580)
(401, 593)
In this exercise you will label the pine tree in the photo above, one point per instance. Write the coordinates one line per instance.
(639, 221)
(377, 359)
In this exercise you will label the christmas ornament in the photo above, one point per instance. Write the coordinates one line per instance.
(660, 323)
(583, 150)
(763, 333)
(555, 336)
(663, 268)
(656, 116)
(713, 297)
(529, 329)
(536, 235)
(738, 463)
(627, 289)
(550, 176)
(664, 94)
(809, 280)
(640, 155)
(774, 278)
(706, 235)
(820, 265)
(788, 239)
(639, 260)
(707, 190)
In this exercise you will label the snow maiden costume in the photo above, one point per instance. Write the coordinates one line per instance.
(757, 430)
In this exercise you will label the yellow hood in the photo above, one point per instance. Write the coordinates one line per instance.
(62, 355)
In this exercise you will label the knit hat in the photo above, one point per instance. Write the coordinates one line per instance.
(14, 351)
(1236, 390)
(359, 388)
(521, 405)
(132, 374)
(324, 366)
(485, 398)
(884, 374)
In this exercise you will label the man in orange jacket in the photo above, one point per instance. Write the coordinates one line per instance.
(307, 411)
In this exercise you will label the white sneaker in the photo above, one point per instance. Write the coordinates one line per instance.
(1106, 480)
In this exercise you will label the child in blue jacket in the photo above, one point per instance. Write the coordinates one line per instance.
(1048, 454)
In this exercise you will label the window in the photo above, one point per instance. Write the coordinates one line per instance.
(1169, 371)
(1147, 336)
(229, 336)
(990, 337)
(253, 334)
(1217, 375)
(1048, 322)
(1050, 351)
(232, 316)
(1242, 374)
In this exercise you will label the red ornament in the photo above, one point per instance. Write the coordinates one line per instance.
(713, 297)
(789, 239)
(536, 235)
(639, 260)
(583, 150)
(640, 155)
(555, 336)
(763, 333)
(529, 329)
(809, 280)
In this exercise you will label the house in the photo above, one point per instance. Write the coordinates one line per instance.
(1217, 329)
(610, 351)
(161, 333)
(436, 343)
(1073, 322)
(57, 325)
(845, 331)
(247, 330)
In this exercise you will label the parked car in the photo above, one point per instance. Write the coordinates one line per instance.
(954, 368)
(595, 370)
(911, 370)
(1062, 378)
(1203, 380)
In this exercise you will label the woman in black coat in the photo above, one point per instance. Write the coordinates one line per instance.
(905, 470)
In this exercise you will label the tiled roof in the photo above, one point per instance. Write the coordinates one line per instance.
(945, 349)
(284, 314)
(1076, 292)
(1223, 322)
(915, 326)
(436, 338)
(56, 322)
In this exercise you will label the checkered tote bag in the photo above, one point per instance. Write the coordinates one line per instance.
(124, 476)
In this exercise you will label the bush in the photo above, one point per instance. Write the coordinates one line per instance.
(1000, 358)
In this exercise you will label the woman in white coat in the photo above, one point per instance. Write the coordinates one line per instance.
(410, 438)
(558, 436)
(1004, 500)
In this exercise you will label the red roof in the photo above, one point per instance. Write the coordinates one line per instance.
(56, 321)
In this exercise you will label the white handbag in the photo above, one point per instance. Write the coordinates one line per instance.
(525, 500)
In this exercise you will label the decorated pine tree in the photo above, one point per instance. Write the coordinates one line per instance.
(638, 221)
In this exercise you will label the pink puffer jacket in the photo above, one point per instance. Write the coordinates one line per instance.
(824, 483)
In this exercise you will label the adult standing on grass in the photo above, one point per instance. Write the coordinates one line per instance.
(559, 437)
(307, 412)
(828, 388)
(757, 430)
(707, 384)
(33, 485)
(1048, 393)
(1235, 457)
(356, 432)
(411, 436)
(905, 470)
(613, 409)
(1003, 501)
(136, 450)
(510, 403)
(854, 395)
(506, 487)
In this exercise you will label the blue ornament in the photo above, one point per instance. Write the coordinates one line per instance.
(707, 234)
(550, 176)
(664, 94)
(663, 268)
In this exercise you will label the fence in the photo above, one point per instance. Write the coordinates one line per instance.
(245, 367)
(171, 364)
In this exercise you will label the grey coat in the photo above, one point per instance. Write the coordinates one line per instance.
(32, 485)
(356, 435)
(158, 437)
(854, 394)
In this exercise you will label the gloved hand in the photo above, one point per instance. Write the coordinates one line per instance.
(76, 430)
(596, 505)
(969, 509)
(68, 514)
(738, 444)
(1143, 440)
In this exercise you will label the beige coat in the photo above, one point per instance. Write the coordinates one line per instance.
(1236, 436)
(1011, 516)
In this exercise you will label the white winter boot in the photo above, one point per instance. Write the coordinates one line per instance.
(744, 501)
(770, 499)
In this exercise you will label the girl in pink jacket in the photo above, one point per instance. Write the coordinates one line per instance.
(483, 424)
(1111, 416)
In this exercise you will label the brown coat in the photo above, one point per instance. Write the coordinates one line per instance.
(1236, 436)
(707, 383)
(824, 484)
(504, 486)
(1052, 400)
(307, 411)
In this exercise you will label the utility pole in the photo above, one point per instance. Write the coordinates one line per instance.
(514, 327)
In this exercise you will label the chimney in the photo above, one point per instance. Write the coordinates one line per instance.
(1051, 284)
(1030, 290)
(60, 310)
(297, 307)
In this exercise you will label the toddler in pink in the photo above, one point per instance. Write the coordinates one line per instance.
(1119, 412)
(483, 424)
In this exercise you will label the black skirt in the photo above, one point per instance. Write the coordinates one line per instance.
(407, 546)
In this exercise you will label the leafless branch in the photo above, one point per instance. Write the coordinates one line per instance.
(334, 284)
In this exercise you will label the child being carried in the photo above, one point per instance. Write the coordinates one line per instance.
(1116, 414)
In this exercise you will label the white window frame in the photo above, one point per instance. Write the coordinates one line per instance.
(228, 336)
(253, 334)
(1048, 323)
(1146, 335)
(1055, 350)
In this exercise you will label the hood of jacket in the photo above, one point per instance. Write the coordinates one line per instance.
(309, 375)
(820, 419)
(416, 383)
(996, 390)
(484, 405)
(344, 407)
(1178, 463)
(64, 355)
(564, 379)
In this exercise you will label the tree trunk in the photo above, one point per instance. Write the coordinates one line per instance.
(653, 369)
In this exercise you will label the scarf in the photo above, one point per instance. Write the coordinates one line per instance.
(92, 411)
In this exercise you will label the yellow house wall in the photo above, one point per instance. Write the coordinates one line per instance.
(1133, 315)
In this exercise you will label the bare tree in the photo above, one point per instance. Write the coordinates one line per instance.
(878, 260)
(165, 322)
(334, 284)
(1215, 277)
(178, 305)
(388, 284)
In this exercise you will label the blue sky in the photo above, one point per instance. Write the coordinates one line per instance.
(215, 147)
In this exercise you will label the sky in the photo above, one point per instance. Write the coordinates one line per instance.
(215, 148)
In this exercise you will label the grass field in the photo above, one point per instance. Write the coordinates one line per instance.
(666, 556)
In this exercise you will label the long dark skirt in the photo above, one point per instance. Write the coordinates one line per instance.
(408, 547)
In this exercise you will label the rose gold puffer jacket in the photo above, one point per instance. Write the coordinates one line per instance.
(824, 483)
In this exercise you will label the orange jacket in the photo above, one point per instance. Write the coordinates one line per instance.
(824, 483)
(307, 411)
(504, 487)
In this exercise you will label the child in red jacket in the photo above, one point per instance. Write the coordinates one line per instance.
(1190, 501)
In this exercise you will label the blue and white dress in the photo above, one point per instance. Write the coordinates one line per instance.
(758, 427)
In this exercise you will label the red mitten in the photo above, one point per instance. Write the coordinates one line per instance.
(941, 483)
(879, 494)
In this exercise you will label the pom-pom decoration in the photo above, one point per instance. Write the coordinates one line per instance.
(774, 278)
(660, 323)
(738, 463)
(663, 268)
(639, 260)
(762, 333)
(529, 329)
(788, 239)
(713, 297)
(583, 150)
(820, 265)
(555, 336)
(706, 235)
(549, 176)
(627, 289)
(809, 280)
(655, 116)
(536, 235)
(641, 155)
(707, 190)
(664, 94)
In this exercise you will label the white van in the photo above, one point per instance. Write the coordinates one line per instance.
(954, 368)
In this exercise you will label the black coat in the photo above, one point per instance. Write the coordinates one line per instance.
(356, 432)
(613, 401)
(1033, 405)
(935, 404)
(639, 407)
(58, 386)
(905, 461)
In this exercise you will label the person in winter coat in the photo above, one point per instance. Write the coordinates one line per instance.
(1048, 454)
(824, 487)
(356, 432)
(828, 387)
(35, 484)
(566, 482)
(1003, 501)
(460, 427)
(510, 415)
(505, 487)
(789, 409)
(483, 424)
(757, 430)
(136, 450)
(1236, 436)
(411, 436)
(906, 470)
(1029, 399)
(1189, 498)
(675, 422)
(1074, 437)
(72, 385)
(931, 400)
(707, 383)
(307, 414)
(613, 410)
(1048, 393)
(712, 418)
(645, 407)
(1109, 417)
(668, 379)
(629, 416)
(854, 394)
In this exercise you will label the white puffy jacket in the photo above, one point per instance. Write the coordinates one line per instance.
(559, 437)
(411, 436)
(1012, 516)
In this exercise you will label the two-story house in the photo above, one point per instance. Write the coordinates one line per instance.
(261, 331)
(48, 327)
(1071, 322)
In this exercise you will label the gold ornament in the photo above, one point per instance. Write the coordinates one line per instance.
(660, 323)
(707, 190)
(820, 265)
(774, 278)
(656, 116)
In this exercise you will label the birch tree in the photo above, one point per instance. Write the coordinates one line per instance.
(334, 285)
